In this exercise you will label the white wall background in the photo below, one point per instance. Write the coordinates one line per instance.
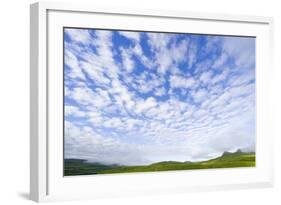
(14, 101)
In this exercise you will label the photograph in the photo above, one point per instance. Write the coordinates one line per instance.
(151, 101)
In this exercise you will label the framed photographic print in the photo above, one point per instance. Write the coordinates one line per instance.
(127, 102)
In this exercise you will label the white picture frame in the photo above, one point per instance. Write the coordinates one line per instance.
(46, 179)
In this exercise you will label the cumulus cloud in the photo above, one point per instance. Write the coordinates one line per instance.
(157, 96)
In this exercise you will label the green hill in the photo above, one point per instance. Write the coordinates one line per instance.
(227, 160)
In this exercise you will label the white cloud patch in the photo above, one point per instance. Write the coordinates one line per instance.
(160, 91)
(220, 77)
(181, 82)
(128, 63)
(168, 53)
(192, 51)
(73, 63)
(135, 36)
(145, 105)
(199, 95)
(79, 35)
(96, 73)
(73, 111)
(206, 76)
(220, 61)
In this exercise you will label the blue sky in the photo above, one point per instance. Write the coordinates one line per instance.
(142, 97)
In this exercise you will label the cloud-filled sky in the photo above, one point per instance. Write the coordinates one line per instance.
(136, 98)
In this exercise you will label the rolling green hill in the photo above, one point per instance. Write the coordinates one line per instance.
(227, 160)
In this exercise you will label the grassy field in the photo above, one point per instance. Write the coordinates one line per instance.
(227, 160)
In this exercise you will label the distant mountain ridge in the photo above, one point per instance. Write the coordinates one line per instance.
(226, 160)
(239, 151)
